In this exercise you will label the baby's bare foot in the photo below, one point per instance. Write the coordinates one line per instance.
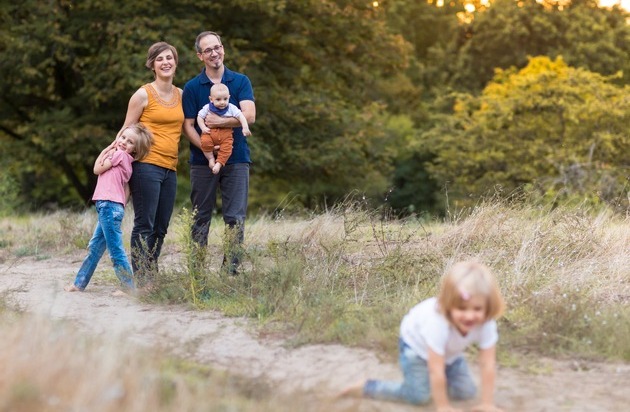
(72, 288)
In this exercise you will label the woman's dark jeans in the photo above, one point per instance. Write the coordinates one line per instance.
(153, 190)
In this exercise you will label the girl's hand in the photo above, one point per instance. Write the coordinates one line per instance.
(486, 408)
(107, 153)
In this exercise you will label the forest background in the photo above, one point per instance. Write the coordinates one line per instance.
(413, 104)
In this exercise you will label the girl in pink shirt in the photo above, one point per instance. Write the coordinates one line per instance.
(113, 167)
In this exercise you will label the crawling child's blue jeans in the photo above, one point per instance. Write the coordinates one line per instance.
(416, 386)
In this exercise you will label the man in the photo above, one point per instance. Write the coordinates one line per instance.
(233, 179)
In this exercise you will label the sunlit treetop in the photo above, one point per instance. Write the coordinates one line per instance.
(470, 6)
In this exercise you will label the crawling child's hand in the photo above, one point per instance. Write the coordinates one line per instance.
(448, 409)
(486, 408)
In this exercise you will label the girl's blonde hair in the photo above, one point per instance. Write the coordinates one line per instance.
(466, 279)
(143, 141)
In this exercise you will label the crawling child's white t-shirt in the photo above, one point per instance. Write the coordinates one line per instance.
(425, 327)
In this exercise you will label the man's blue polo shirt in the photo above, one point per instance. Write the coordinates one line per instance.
(196, 92)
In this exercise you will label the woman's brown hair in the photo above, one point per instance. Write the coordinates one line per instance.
(156, 49)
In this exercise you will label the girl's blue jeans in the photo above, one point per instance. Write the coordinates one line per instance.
(107, 235)
(416, 386)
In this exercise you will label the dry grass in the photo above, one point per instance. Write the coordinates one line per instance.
(49, 366)
(350, 274)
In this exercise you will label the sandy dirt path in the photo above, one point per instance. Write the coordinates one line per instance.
(233, 345)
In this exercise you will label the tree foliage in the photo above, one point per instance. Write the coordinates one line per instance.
(509, 32)
(560, 128)
(323, 68)
(344, 90)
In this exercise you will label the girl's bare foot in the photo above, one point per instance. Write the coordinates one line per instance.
(354, 391)
(72, 288)
(122, 293)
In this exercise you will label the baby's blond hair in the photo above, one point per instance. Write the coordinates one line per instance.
(466, 279)
(218, 88)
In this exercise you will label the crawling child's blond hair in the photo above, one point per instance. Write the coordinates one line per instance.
(466, 279)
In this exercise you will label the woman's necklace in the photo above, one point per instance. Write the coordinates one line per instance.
(165, 98)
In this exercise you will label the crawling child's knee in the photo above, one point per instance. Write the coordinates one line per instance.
(463, 393)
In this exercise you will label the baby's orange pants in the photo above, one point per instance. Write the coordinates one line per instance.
(218, 137)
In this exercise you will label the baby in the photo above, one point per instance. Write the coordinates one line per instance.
(222, 137)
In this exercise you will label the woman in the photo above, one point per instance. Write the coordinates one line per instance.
(153, 183)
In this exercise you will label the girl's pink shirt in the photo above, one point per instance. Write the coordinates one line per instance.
(111, 183)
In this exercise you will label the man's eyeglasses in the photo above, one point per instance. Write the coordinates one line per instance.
(209, 50)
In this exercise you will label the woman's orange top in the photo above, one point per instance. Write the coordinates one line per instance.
(165, 120)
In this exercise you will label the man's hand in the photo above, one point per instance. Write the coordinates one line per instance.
(214, 120)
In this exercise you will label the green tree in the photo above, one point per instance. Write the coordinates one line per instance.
(428, 30)
(318, 69)
(459, 52)
(508, 32)
(69, 68)
(560, 128)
